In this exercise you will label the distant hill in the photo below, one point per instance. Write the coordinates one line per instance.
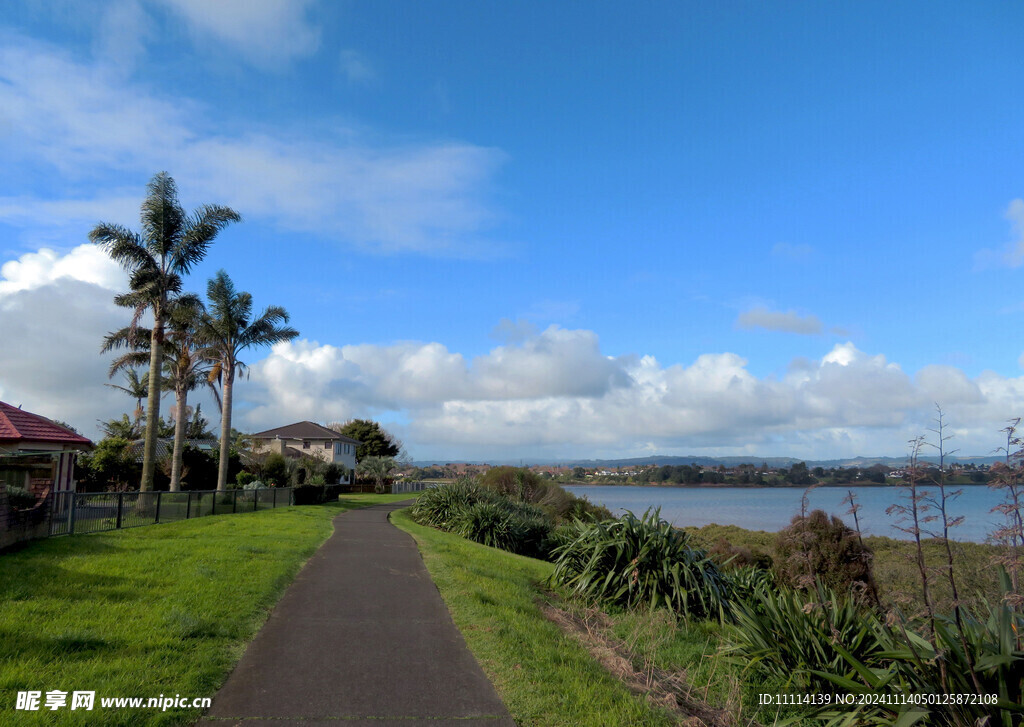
(859, 461)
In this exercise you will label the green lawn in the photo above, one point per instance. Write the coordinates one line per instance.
(162, 609)
(543, 676)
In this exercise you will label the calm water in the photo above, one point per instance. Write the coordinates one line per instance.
(771, 509)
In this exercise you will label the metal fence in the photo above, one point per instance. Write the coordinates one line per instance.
(92, 512)
(399, 487)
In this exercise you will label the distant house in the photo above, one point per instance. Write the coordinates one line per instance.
(165, 447)
(36, 453)
(306, 439)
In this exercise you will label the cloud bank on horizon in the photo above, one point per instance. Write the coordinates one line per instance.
(663, 272)
(551, 393)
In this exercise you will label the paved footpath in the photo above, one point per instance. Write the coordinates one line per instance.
(361, 637)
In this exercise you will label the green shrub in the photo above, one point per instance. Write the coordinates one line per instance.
(485, 516)
(744, 581)
(19, 498)
(308, 494)
(253, 485)
(792, 634)
(519, 483)
(275, 470)
(731, 556)
(821, 547)
(631, 561)
(439, 506)
(243, 478)
(493, 523)
(832, 645)
(316, 480)
(333, 473)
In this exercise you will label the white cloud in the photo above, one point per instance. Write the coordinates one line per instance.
(89, 122)
(788, 322)
(540, 393)
(355, 67)
(554, 394)
(50, 361)
(85, 263)
(1011, 254)
(264, 31)
(123, 32)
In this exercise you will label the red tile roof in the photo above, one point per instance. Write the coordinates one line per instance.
(17, 425)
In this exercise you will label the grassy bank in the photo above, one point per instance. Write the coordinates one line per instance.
(546, 677)
(546, 674)
(163, 609)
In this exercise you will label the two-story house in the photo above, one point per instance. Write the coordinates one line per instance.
(307, 439)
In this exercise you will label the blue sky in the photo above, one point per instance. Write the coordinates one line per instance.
(542, 230)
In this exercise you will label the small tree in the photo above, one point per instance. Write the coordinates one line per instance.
(275, 470)
(110, 466)
(378, 469)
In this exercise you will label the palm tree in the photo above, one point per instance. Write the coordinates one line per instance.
(183, 365)
(188, 370)
(227, 331)
(170, 243)
(135, 386)
(379, 469)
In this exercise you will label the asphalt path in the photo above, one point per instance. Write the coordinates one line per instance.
(361, 637)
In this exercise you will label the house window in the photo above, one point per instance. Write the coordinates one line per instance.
(327, 445)
(305, 444)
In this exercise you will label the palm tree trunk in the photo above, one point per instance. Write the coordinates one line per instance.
(225, 428)
(179, 437)
(153, 404)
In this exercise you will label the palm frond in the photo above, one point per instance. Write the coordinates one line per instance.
(201, 228)
(162, 218)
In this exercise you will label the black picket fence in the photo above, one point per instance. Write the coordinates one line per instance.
(93, 512)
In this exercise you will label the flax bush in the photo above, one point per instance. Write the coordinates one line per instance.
(486, 517)
(633, 561)
(822, 641)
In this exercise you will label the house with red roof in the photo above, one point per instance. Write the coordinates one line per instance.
(36, 453)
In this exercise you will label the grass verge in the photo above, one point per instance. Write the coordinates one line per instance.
(543, 676)
(157, 610)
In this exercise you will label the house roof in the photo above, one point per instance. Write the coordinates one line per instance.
(304, 430)
(17, 425)
(165, 447)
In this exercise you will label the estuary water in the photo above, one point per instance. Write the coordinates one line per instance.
(771, 509)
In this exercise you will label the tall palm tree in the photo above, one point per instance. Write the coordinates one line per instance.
(187, 369)
(170, 243)
(183, 364)
(227, 331)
